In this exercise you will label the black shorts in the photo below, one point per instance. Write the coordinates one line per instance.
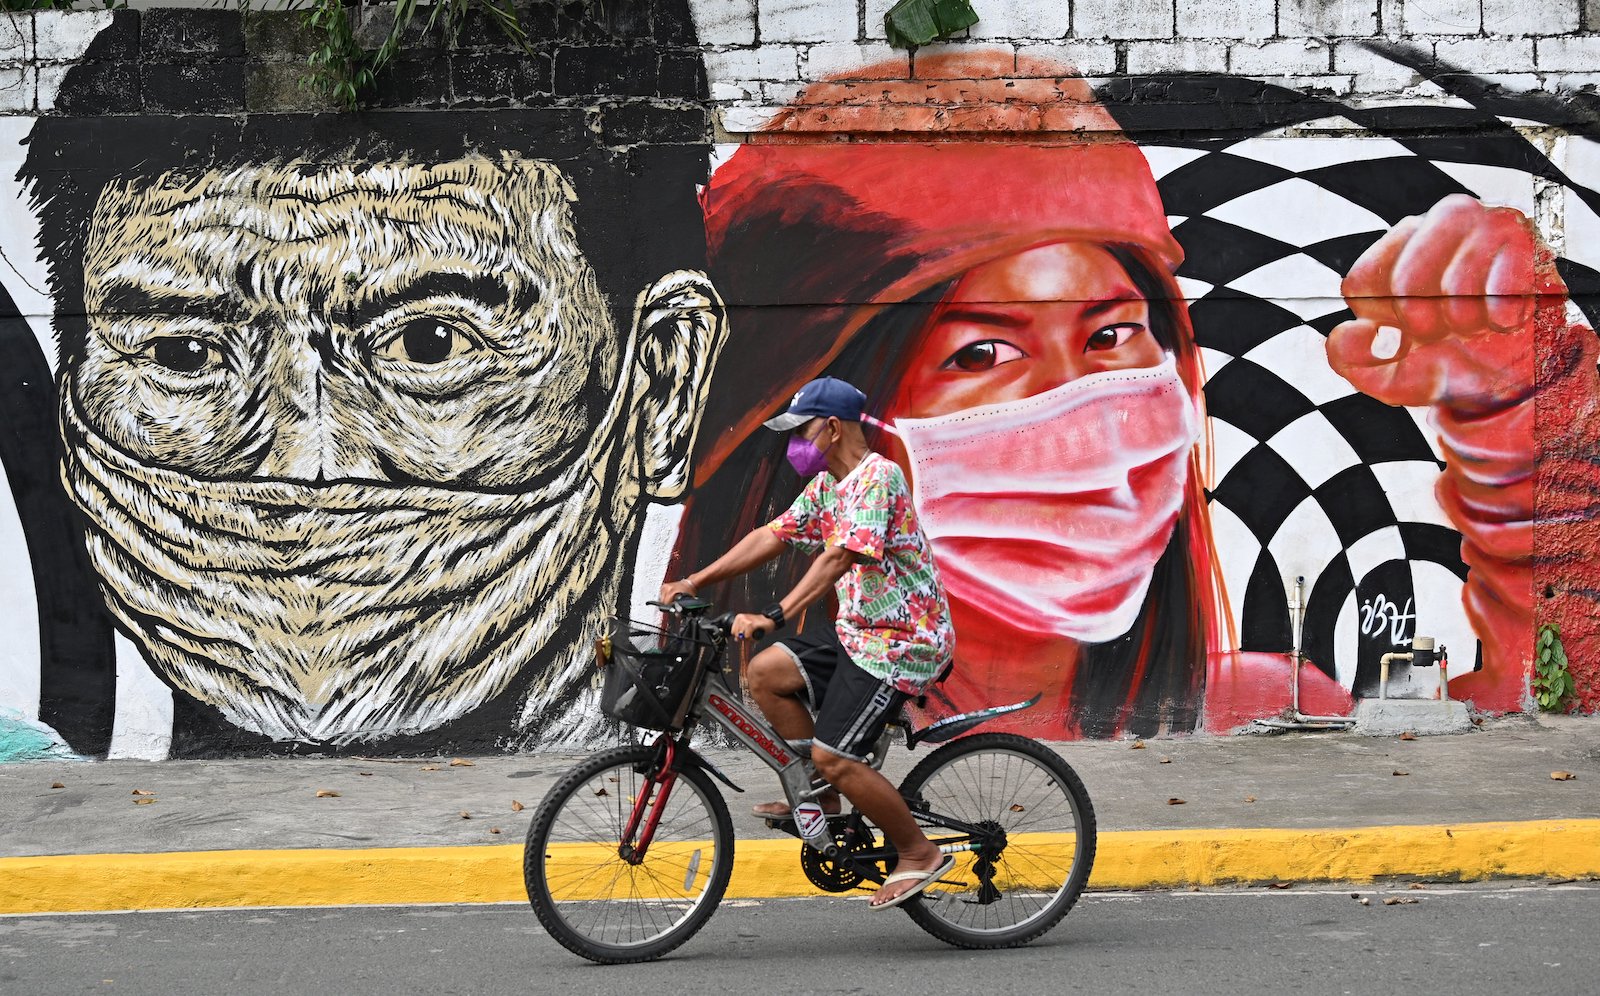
(851, 706)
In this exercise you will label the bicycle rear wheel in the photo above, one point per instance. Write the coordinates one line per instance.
(1034, 808)
(593, 900)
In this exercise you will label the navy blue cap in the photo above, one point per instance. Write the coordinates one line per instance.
(823, 397)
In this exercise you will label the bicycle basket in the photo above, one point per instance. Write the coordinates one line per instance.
(647, 674)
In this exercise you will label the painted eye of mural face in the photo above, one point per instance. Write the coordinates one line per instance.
(984, 355)
(1111, 336)
(428, 341)
(182, 353)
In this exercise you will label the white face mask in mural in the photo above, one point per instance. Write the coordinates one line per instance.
(1051, 511)
(347, 477)
(324, 612)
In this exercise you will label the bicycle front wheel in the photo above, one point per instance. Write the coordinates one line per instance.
(1035, 815)
(595, 897)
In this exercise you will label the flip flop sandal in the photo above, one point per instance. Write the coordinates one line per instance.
(922, 878)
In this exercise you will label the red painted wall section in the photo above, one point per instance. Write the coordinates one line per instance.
(1566, 538)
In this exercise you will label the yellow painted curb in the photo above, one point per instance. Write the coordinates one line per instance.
(770, 868)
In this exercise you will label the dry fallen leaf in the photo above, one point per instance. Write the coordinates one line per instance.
(1400, 774)
(1017, 807)
(430, 767)
(1249, 798)
(1280, 885)
(143, 802)
(142, 792)
(517, 807)
(1166, 760)
(601, 791)
(1175, 801)
(327, 794)
(1408, 736)
(364, 774)
(1136, 745)
(1562, 776)
(456, 762)
(1401, 900)
(1416, 885)
(466, 815)
(494, 829)
(57, 785)
(1365, 901)
(613, 778)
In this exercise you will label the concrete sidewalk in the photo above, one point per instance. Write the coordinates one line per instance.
(1292, 806)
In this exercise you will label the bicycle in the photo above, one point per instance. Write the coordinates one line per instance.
(630, 852)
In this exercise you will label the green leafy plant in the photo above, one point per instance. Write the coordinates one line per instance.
(910, 23)
(1553, 687)
(342, 68)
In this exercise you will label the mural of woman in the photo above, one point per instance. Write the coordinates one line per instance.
(1013, 315)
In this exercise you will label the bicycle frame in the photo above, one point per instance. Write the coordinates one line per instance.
(711, 699)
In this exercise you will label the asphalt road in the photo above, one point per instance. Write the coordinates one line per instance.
(1495, 939)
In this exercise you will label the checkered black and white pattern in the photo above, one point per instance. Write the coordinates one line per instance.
(1311, 478)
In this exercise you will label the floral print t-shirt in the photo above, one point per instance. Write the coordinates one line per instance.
(894, 620)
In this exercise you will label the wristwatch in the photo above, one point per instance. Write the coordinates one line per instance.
(775, 613)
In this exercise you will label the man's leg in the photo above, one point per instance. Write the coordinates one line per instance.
(871, 793)
(777, 684)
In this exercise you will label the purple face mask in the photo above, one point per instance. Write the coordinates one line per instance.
(805, 458)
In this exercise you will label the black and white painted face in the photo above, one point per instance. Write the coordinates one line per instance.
(401, 323)
(354, 444)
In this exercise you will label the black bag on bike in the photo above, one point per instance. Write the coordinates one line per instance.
(647, 674)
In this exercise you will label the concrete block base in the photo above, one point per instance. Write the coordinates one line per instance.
(1391, 717)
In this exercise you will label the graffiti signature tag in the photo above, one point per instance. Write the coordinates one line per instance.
(1378, 612)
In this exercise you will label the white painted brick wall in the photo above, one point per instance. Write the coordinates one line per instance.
(784, 21)
(726, 22)
(1487, 55)
(1440, 17)
(1041, 19)
(1288, 57)
(1089, 58)
(1328, 18)
(61, 35)
(1147, 57)
(16, 89)
(1226, 18)
(1526, 17)
(16, 39)
(769, 62)
(1373, 73)
(843, 58)
(1577, 55)
(875, 9)
(1122, 18)
(992, 54)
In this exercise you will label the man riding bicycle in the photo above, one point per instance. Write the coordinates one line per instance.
(894, 632)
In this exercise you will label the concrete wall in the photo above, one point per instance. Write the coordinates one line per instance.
(336, 432)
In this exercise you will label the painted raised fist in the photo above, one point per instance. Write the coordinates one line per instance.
(1445, 305)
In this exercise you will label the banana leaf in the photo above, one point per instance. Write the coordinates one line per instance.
(910, 23)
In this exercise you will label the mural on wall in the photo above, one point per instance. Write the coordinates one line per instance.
(342, 433)
(1140, 386)
(359, 419)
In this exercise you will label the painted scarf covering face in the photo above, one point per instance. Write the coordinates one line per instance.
(313, 434)
(885, 222)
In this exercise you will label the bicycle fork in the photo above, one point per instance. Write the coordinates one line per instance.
(648, 806)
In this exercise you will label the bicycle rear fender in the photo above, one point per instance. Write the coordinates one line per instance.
(953, 726)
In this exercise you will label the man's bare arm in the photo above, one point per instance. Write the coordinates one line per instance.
(756, 548)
